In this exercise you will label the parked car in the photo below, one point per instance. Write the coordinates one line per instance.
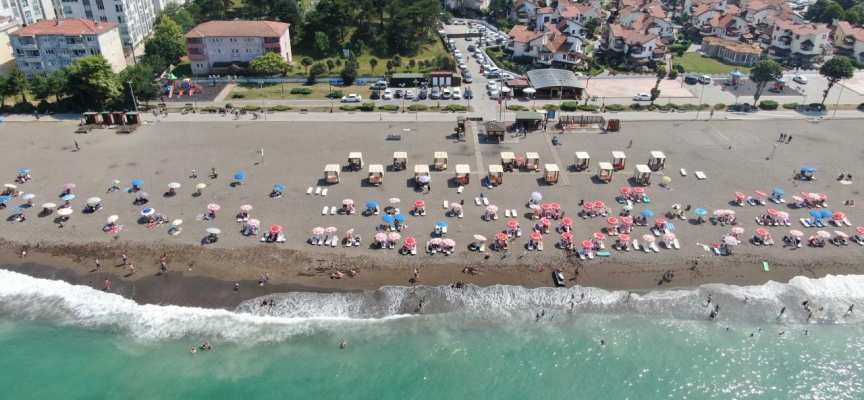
(471, 47)
(387, 95)
(493, 74)
(409, 94)
(491, 85)
(469, 94)
(398, 94)
(435, 94)
(800, 79)
(463, 66)
(705, 80)
(351, 98)
(690, 80)
(446, 94)
(380, 85)
(459, 22)
(468, 78)
(457, 93)
(376, 94)
(642, 97)
(422, 95)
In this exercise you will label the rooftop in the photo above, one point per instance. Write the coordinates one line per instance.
(733, 45)
(66, 26)
(238, 28)
(553, 78)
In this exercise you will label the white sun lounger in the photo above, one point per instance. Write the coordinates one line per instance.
(325, 240)
(460, 189)
(675, 244)
(805, 222)
(477, 201)
(324, 212)
(324, 192)
(654, 247)
(446, 204)
(581, 255)
(461, 214)
(318, 190)
(280, 238)
(683, 172)
(513, 213)
(602, 246)
(647, 247)
(590, 255)
(333, 210)
(485, 201)
(635, 244)
(700, 175)
(846, 221)
(309, 191)
(507, 213)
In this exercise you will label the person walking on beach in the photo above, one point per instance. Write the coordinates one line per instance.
(163, 268)
(236, 288)
(124, 259)
(132, 269)
(849, 311)
(193, 175)
(98, 265)
(630, 144)
(107, 285)
(416, 274)
(76, 146)
(782, 137)
(788, 139)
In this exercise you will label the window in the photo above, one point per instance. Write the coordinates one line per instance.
(232, 40)
(49, 51)
(24, 3)
(216, 51)
(67, 9)
(49, 63)
(199, 66)
(87, 8)
(91, 38)
(103, 18)
(100, 5)
(120, 19)
(118, 7)
(95, 51)
(46, 40)
(19, 52)
(235, 51)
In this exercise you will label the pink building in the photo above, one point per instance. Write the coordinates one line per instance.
(226, 47)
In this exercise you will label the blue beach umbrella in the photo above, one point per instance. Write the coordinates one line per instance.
(815, 214)
(387, 218)
(441, 224)
(399, 217)
(647, 213)
(825, 213)
(279, 186)
(736, 73)
(24, 171)
(809, 170)
(372, 204)
(137, 182)
(240, 176)
(4, 199)
(779, 192)
(701, 211)
(68, 197)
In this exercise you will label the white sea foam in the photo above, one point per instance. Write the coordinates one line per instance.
(27, 298)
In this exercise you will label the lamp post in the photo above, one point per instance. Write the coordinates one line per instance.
(699, 107)
(330, 84)
(804, 93)
(838, 99)
(402, 85)
(263, 105)
(132, 92)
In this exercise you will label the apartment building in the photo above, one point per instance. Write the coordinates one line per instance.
(135, 17)
(27, 11)
(50, 45)
(849, 40)
(548, 47)
(636, 47)
(226, 47)
(7, 59)
(807, 44)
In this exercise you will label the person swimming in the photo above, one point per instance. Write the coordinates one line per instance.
(343, 345)
(193, 351)
(205, 346)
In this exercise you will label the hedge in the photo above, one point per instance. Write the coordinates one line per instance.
(673, 74)
(768, 105)
(333, 94)
(210, 109)
(616, 107)
(636, 106)
(301, 90)
(418, 107)
(349, 108)
(516, 107)
(229, 106)
(389, 107)
(251, 108)
(588, 107)
(791, 106)
(280, 108)
(550, 107)
(367, 107)
(569, 106)
(238, 95)
(719, 106)
(456, 107)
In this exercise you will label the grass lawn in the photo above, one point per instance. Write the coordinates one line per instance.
(278, 91)
(695, 62)
(182, 70)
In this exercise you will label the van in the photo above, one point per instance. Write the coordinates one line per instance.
(452, 44)
(380, 85)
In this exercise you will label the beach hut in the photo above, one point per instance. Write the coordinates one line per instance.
(642, 175)
(496, 174)
(331, 173)
(657, 161)
(355, 161)
(400, 160)
(550, 173)
(604, 172)
(439, 160)
(92, 118)
(508, 160)
(376, 174)
(421, 175)
(619, 160)
(532, 161)
(583, 160)
(463, 174)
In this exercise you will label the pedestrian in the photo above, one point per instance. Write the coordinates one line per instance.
(132, 269)
(236, 288)
(193, 175)
(163, 267)
(782, 136)
(416, 274)
(428, 187)
(107, 285)
(631, 144)
(788, 139)
(36, 113)
(380, 117)
(98, 265)
(124, 259)
(711, 115)
(76, 146)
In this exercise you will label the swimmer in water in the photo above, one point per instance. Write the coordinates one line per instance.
(710, 299)
(602, 343)
(806, 332)
(193, 351)
(849, 311)
(782, 311)
(343, 345)
(782, 333)
(752, 334)
(746, 299)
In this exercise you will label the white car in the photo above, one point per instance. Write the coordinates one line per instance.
(352, 98)
(800, 79)
(642, 97)
(457, 94)
(409, 94)
(493, 92)
(387, 95)
(491, 85)
(462, 65)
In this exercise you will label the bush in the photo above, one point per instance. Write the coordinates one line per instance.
(456, 107)
(569, 106)
(333, 94)
(680, 68)
(418, 107)
(302, 90)
(229, 106)
(768, 105)
(238, 95)
(516, 107)
(719, 106)
(616, 107)
(652, 107)
(679, 53)
(550, 107)
(588, 107)
(367, 107)
(636, 106)
(210, 109)
(348, 108)
(672, 106)
(251, 108)
(280, 108)
(389, 107)
(792, 106)
(673, 74)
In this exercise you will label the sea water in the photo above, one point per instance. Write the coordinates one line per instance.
(59, 341)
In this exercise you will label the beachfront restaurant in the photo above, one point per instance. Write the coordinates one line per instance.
(555, 84)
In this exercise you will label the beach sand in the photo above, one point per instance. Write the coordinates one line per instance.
(295, 155)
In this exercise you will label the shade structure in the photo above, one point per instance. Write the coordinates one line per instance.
(279, 186)
(647, 213)
(330, 229)
(372, 204)
(599, 204)
(112, 219)
(666, 179)
(588, 205)
(240, 176)
(318, 230)
(420, 203)
(65, 211)
(410, 241)
(627, 221)
(178, 222)
(668, 237)
(639, 190)
(555, 206)
(762, 232)
(347, 202)
(480, 238)
(625, 191)
(147, 212)
(796, 233)
(838, 216)
(387, 218)
(566, 221)
(545, 221)
(213, 207)
(648, 238)
(612, 221)
(68, 197)
(536, 196)
(394, 200)
(174, 185)
(529, 90)
(441, 224)
(825, 213)
(28, 196)
(456, 206)
(737, 230)
(501, 237)
(67, 186)
(740, 195)
(772, 212)
(536, 236)
(761, 193)
(492, 209)
(567, 237)
(246, 207)
(201, 186)
(779, 192)
(809, 170)
(24, 171)
(623, 237)
(394, 236)
(599, 236)
(587, 244)
(49, 205)
(660, 221)
(512, 224)
(254, 223)
(214, 231)
(137, 182)
(701, 211)
(823, 234)
(783, 215)
(399, 217)
(275, 229)
(798, 199)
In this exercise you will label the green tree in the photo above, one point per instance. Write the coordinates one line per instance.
(330, 65)
(763, 73)
(179, 14)
(825, 11)
(141, 78)
(591, 27)
(16, 84)
(834, 70)
(349, 73)
(389, 65)
(655, 92)
(412, 64)
(92, 80)
(39, 87)
(322, 43)
(397, 61)
(3, 90)
(167, 41)
(269, 64)
(208, 10)
(373, 62)
(306, 62)
(317, 70)
(338, 63)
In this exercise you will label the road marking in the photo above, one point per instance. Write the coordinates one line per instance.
(718, 131)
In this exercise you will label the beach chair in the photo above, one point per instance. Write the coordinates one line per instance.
(460, 189)
(334, 241)
(530, 245)
(324, 192)
(446, 204)
(333, 210)
(675, 244)
(716, 250)
(309, 191)
(247, 230)
(683, 172)
(313, 240)
(635, 244)
(264, 237)
(805, 222)
(654, 247)
(540, 246)
(324, 212)
(485, 201)
(280, 238)
(590, 255)
(846, 221)
(325, 241)
(414, 251)
(513, 212)
(477, 201)
(507, 213)
(581, 255)
(647, 248)
(318, 190)
(700, 175)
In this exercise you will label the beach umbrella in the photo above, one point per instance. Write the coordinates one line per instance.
(555, 206)
(246, 207)
(821, 196)
(112, 219)
(456, 206)
(213, 207)
(783, 215)
(623, 237)
(648, 238)
(587, 244)
(701, 211)
(798, 199)
(535, 207)
(68, 197)
(772, 212)
(480, 238)
(441, 224)
(502, 237)
(214, 231)
(439, 241)
(536, 236)
(660, 221)
(380, 237)
(545, 221)
(666, 179)
(779, 192)
(178, 222)
(668, 237)
(627, 221)
(823, 234)
(599, 236)
(372, 204)
(174, 185)
(24, 171)
(730, 241)
(349, 233)
(815, 214)
(567, 237)
(566, 221)
(628, 207)
(240, 176)
(838, 216)
(599, 204)
(841, 234)
(639, 190)
(28, 196)
(647, 213)
(529, 90)
(279, 186)
(612, 221)
(394, 200)
(330, 229)
(424, 179)
(137, 182)
(11, 186)
(492, 209)
(387, 218)
(410, 241)
(536, 196)
(68, 186)
(317, 230)
(147, 212)
(200, 186)
(625, 191)
(4, 199)
(64, 211)
(419, 203)
(588, 205)
(512, 224)
(826, 213)
(718, 213)
(762, 232)
(796, 233)
(399, 217)
(275, 229)
(739, 195)
(761, 193)
(809, 170)
(394, 236)
(347, 202)
(860, 229)
(737, 230)
(254, 223)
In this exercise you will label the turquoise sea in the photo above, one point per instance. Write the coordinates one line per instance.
(60, 341)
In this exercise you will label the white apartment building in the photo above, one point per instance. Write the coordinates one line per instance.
(217, 47)
(136, 17)
(7, 59)
(50, 45)
(27, 11)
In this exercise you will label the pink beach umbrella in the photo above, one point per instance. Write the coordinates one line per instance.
(394, 200)
(587, 244)
(623, 237)
(566, 221)
(739, 195)
(821, 196)
(730, 240)
(668, 237)
(347, 202)
(796, 233)
(449, 242)
(860, 229)
(639, 190)
(841, 234)
(798, 199)
(545, 221)
(772, 212)
(246, 207)
(625, 191)
(213, 208)
(456, 206)
(512, 224)
(761, 193)
(480, 238)
(394, 236)
(737, 230)
(350, 233)
(330, 229)
(254, 223)
(782, 215)
(838, 216)
(612, 221)
(492, 209)
(275, 229)
(599, 236)
(410, 241)
(555, 206)
(420, 203)
(546, 206)
(588, 205)
(627, 221)
(501, 237)
(599, 204)
(318, 231)
(762, 232)
(567, 237)
(439, 241)
(823, 234)
(380, 237)
(648, 238)
(536, 236)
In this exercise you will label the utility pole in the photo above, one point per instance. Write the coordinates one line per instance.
(263, 105)
(132, 92)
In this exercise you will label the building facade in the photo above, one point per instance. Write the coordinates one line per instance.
(227, 47)
(50, 45)
(135, 17)
(27, 11)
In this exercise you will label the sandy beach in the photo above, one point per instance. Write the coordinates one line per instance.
(732, 155)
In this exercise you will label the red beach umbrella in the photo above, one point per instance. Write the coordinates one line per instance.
(567, 221)
(627, 221)
(660, 221)
(587, 244)
(625, 191)
(599, 204)
(545, 221)
(588, 205)
(599, 236)
(612, 221)
(860, 229)
(838, 216)
(536, 236)
(623, 237)
(761, 193)
(512, 224)
(639, 190)
(762, 232)
(555, 206)
(275, 229)
(739, 195)
(567, 237)
(501, 237)
(410, 241)
(772, 212)
(419, 203)
(546, 206)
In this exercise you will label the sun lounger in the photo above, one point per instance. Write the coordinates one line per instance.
(540, 245)
(590, 255)
(530, 245)
(477, 201)
(766, 267)
(264, 238)
(247, 231)
(495, 217)
(414, 251)
(318, 190)
(635, 244)
(759, 221)
(716, 250)
(700, 175)
(309, 191)
(324, 212)
(581, 255)
(460, 189)
(333, 210)
(334, 241)
(313, 240)
(683, 172)
(507, 213)
(280, 238)
(846, 221)
(805, 222)
(602, 246)
(485, 201)
(324, 192)
(513, 213)
(654, 247)
(647, 247)
(769, 242)
(446, 204)
(675, 244)
(461, 214)
(325, 240)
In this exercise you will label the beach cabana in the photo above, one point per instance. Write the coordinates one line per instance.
(421, 175)
(551, 173)
(355, 161)
(642, 175)
(400, 160)
(331, 173)
(532, 161)
(657, 161)
(496, 174)
(376, 174)
(604, 172)
(508, 159)
(463, 174)
(619, 160)
(439, 160)
(583, 160)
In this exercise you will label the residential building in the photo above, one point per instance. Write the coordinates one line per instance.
(136, 17)
(636, 47)
(722, 23)
(806, 44)
(549, 47)
(7, 59)
(226, 47)
(731, 51)
(462, 5)
(50, 45)
(848, 40)
(523, 9)
(27, 11)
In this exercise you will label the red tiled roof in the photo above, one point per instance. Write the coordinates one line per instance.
(631, 36)
(67, 26)
(545, 10)
(238, 28)
(802, 29)
(848, 29)
(551, 28)
(576, 9)
(521, 34)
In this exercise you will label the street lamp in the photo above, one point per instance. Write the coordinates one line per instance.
(132, 92)
(263, 105)
(699, 107)
(804, 93)
(402, 85)
(838, 99)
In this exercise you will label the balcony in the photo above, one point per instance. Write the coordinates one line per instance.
(197, 56)
(33, 59)
(75, 46)
(194, 45)
(27, 46)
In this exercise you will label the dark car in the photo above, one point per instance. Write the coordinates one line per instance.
(398, 94)
(690, 80)
(469, 94)
(472, 47)
(376, 94)
(422, 95)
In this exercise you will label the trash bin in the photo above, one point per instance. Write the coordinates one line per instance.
(551, 114)
(614, 125)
